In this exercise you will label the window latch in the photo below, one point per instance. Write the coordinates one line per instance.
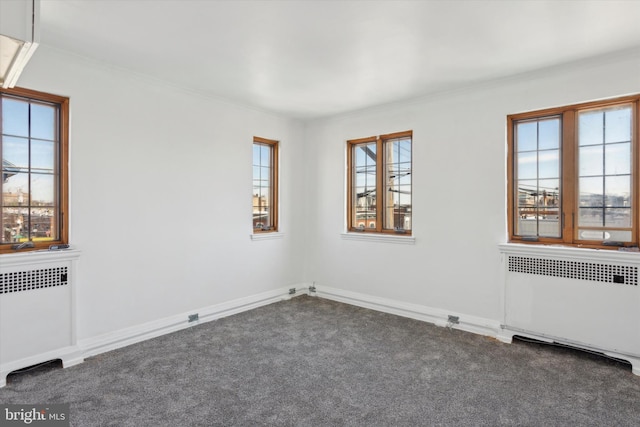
(23, 245)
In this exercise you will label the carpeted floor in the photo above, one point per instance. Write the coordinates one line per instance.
(315, 362)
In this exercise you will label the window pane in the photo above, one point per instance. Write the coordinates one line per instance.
(365, 154)
(397, 201)
(43, 225)
(590, 160)
(15, 117)
(361, 177)
(548, 192)
(404, 151)
(15, 222)
(538, 178)
(15, 189)
(527, 224)
(43, 122)
(617, 159)
(365, 214)
(15, 151)
(404, 199)
(261, 219)
(591, 192)
(528, 165)
(591, 128)
(404, 179)
(43, 156)
(549, 134)
(527, 136)
(264, 196)
(604, 184)
(548, 225)
(42, 190)
(364, 195)
(265, 172)
(618, 124)
(618, 191)
(617, 217)
(527, 193)
(549, 164)
(265, 155)
(588, 217)
(617, 235)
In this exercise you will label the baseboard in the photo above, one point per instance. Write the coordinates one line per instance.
(124, 337)
(439, 317)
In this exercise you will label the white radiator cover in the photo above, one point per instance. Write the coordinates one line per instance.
(582, 297)
(37, 310)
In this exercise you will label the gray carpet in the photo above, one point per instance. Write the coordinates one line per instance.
(315, 362)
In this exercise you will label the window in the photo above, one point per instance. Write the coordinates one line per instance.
(573, 174)
(265, 185)
(34, 152)
(380, 166)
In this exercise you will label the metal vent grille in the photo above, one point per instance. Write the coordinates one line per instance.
(608, 273)
(19, 281)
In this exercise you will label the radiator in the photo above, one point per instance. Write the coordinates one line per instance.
(37, 312)
(585, 298)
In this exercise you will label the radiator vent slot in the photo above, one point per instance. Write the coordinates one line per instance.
(19, 281)
(608, 273)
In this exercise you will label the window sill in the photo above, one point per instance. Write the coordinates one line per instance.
(267, 236)
(571, 253)
(380, 238)
(40, 256)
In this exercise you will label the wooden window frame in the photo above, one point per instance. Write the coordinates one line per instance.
(273, 189)
(63, 165)
(380, 185)
(569, 197)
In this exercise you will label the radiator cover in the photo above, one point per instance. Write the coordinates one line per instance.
(37, 310)
(587, 298)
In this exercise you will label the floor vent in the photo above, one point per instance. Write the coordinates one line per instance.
(608, 273)
(27, 280)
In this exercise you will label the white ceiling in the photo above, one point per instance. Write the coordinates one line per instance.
(307, 59)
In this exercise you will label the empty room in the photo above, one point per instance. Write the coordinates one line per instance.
(319, 212)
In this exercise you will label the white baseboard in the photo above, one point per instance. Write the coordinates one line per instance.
(113, 340)
(124, 337)
(439, 317)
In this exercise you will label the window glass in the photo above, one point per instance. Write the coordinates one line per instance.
(537, 162)
(604, 174)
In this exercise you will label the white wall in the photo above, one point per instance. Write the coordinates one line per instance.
(459, 205)
(160, 195)
(161, 182)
